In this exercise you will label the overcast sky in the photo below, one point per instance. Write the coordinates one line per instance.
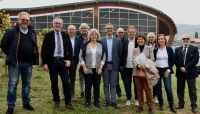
(181, 11)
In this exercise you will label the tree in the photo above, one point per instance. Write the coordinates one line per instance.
(196, 34)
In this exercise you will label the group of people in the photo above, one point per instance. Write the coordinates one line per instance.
(106, 56)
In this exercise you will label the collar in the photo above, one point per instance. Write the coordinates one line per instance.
(23, 31)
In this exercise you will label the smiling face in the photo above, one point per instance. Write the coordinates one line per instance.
(151, 38)
(57, 24)
(161, 40)
(140, 41)
(109, 30)
(131, 33)
(23, 20)
(71, 30)
(120, 33)
(186, 39)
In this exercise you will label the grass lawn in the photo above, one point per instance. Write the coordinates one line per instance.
(42, 100)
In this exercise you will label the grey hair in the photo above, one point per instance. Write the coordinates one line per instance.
(58, 19)
(109, 24)
(71, 26)
(93, 31)
(84, 25)
(132, 27)
(24, 13)
(151, 33)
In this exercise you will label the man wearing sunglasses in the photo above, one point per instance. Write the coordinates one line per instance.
(186, 58)
(20, 45)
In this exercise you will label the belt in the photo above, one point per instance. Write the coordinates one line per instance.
(58, 58)
(109, 62)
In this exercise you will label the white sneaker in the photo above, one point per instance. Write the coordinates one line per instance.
(128, 103)
(136, 103)
(155, 100)
(62, 97)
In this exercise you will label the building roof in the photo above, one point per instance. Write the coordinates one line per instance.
(196, 40)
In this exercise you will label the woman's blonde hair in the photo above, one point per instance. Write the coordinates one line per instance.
(93, 31)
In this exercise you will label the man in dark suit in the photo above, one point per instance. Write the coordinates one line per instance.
(56, 57)
(76, 46)
(113, 48)
(186, 58)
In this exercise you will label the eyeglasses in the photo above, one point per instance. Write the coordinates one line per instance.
(185, 38)
(150, 37)
(24, 20)
(120, 32)
(56, 23)
(109, 28)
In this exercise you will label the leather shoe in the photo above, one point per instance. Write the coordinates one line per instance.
(113, 104)
(151, 111)
(69, 105)
(173, 109)
(10, 111)
(179, 107)
(161, 107)
(107, 103)
(28, 107)
(56, 105)
(194, 109)
(140, 109)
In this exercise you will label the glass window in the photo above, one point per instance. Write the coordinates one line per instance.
(104, 9)
(116, 26)
(114, 21)
(124, 27)
(151, 23)
(133, 22)
(124, 10)
(142, 16)
(76, 14)
(124, 15)
(123, 22)
(151, 17)
(133, 16)
(66, 19)
(50, 18)
(114, 15)
(50, 25)
(102, 33)
(103, 15)
(142, 22)
(75, 20)
(64, 14)
(87, 14)
(87, 20)
(131, 11)
(114, 10)
(41, 25)
(102, 27)
(41, 19)
(142, 29)
(103, 21)
(152, 29)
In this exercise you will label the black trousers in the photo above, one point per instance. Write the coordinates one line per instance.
(72, 76)
(92, 80)
(192, 91)
(58, 68)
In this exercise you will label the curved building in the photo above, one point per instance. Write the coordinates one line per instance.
(97, 13)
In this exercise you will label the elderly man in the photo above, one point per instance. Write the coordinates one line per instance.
(84, 28)
(152, 42)
(186, 58)
(120, 35)
(16, 43)
(113, 48)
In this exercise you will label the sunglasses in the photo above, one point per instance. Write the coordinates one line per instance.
(185, 38)
(24, 20)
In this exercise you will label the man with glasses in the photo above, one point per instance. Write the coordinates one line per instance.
(152, 42)
(20, 45)
(186, 58)
(120, 35)
(56, 59)
(113, 48)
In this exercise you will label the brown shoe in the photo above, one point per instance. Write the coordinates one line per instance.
(140, 109)
(69, 106)
(56, 105)
(151, 111)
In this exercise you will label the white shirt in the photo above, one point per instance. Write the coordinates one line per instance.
(131, 46)
(162, 58)
(185, 52)
(72, 41)
(93, 56)
(56, 47)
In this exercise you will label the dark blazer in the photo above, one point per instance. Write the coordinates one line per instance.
(192, 58)
(171, 57)
(48, 47)
(116, 52)
(77, 47)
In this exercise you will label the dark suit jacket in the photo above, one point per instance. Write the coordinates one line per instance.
(48, 47)
(171, 57)
(116, 52)
(77, 48)
(192, 58)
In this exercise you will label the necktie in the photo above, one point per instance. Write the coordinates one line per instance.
(184, 54)
(59, 50)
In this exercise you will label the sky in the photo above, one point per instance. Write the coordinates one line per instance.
(180, 11)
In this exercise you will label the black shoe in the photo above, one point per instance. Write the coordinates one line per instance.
(161, 107)
(10, 111)
(173, 109)
(113, 104)
(56, 105)
(107, 103)
(194, 109)
(28, 107)
(69, 105)
(140, 109)
(81, 95)
(151, 111)
(179, 107)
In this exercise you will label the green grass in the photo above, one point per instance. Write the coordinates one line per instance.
(42, 101)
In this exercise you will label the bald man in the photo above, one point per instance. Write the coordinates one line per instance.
(120, 35)
(186, 58)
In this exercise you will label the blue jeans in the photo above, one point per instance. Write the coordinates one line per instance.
(25, 70)
(168, 88)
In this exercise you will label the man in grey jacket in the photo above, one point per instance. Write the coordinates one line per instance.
(113, 49)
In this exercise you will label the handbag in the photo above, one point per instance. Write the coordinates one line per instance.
(141, 74)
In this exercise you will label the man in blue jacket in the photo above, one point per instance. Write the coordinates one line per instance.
(20, 45)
